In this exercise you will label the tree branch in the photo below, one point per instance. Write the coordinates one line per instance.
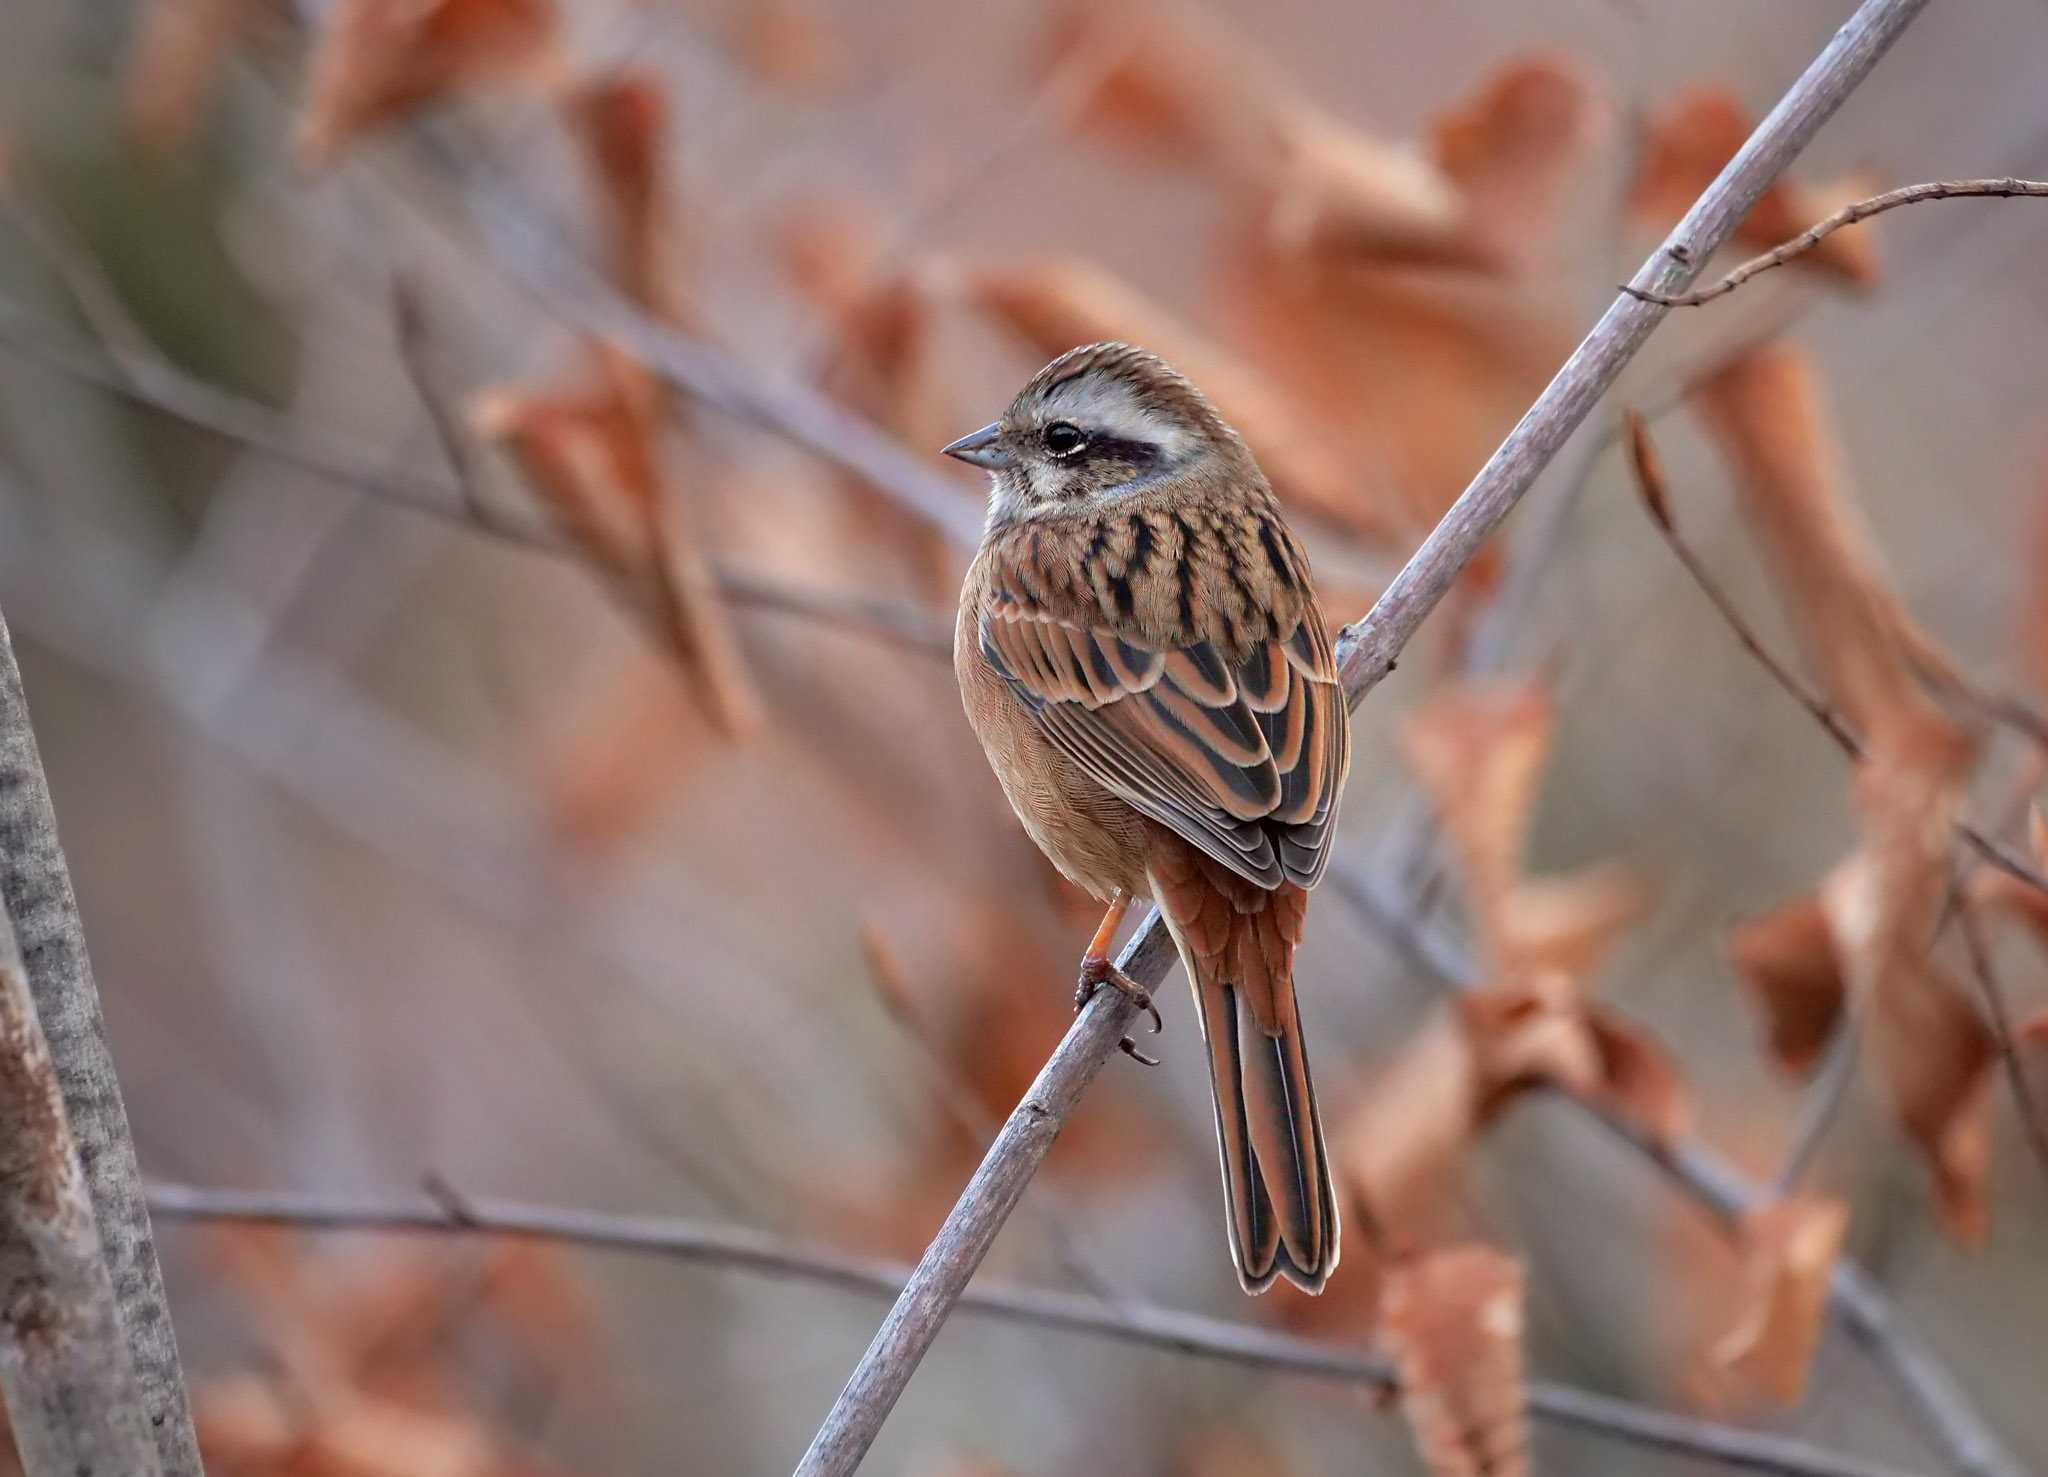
(1848, 215)
(441, 1211)
(35, 889)
(160, 386)
(72, 1398)
(1365, 655)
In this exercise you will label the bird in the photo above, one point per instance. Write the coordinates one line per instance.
(1141, 654)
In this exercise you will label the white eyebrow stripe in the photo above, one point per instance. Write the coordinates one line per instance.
(1106, 407)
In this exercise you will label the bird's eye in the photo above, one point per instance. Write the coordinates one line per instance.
(1064, 438)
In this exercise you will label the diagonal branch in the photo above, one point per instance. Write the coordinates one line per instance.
(442, 1211)
(1366, 654)
(1848, 215)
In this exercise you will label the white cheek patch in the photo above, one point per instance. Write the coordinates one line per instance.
(1106, 407)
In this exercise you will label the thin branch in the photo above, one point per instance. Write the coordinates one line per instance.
(2000, 1013)
(1822, 1106)
(73, 1401)
(157, 385)
(35, 889)
(1848, 215)
(1365, 655)
(445, 1211)
(412, 331)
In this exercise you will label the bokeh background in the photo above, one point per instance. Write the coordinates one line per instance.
(406, 850)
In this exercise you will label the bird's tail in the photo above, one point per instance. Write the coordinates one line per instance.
(1238, 947)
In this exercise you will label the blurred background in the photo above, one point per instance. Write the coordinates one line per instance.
(479, 758)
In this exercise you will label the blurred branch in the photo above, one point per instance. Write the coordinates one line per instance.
(442, 1210)
(1848, 215)
(154, 383)
(35, 890)
(73, 1402)
(1650, 480)
(1366, 654)
(1722, 1190)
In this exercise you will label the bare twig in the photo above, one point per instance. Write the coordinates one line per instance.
(35, 889)
(413, 332)
(1823, 1103)
(1365, 655)
(443, 1210)
(1848, 215)
(72, 1398)
(1725, 1193)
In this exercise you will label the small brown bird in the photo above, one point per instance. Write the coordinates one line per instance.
(1141, 654)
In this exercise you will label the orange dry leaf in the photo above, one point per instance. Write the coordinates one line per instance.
(377, 60)
(1453, 1323)
(788, 43)
(1333, 191)
(1512, 150)
(1056, 305)
(1787, 958)
(1480, 753)
(1787, 1251)
(1764, 410)
(176, 58)
(1689, 143)
(589, 452)
(618, 123)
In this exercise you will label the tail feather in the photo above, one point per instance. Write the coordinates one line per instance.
(1282, 1209)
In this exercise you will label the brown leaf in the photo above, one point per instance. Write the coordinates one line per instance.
(1336, 194)
(1396, 1148)
(788, 43)
(589, 451)
(1687, 146)
(171, 73)
(1512, 149)
(1453, 1323)
(1054, 306)
(377, 60)
(1649, 468)
(1567, 922)
(1179, 77)
(1480, 752)
(1932, 1050)
(1765, 411)
(618, 123)
(1637, 1077)
(1788, 1250)
(1787, 959)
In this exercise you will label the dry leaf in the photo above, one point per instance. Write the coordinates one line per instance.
(1687, 146)
(589, 451)
(177, 56)
(788, 43)
(1932, 1050)
(1512, 150)
(1567, 922)
(1788, 1251)
(1336, 194)
(1055, 306)
(1637, 1077)
(1765, 411)
(377, 60)
(1453, 1323)
(1480, 752)
(618, 123)
(1787, 959)
(1177, 77)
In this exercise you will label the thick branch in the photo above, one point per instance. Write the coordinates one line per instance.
(1133, 1323)
(1848, 215)
(1366, 655)
(72, 1399)
(36, 890)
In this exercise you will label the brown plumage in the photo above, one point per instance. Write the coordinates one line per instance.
(1141, 654)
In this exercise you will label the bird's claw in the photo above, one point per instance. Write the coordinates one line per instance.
(1097, 972)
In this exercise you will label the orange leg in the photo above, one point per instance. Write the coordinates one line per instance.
(1097, 970)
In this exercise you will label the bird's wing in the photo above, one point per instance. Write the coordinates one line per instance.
(1242, 758)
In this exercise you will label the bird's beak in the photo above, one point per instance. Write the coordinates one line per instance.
(983, 448)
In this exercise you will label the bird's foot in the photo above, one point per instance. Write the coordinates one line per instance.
(1097, 971)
